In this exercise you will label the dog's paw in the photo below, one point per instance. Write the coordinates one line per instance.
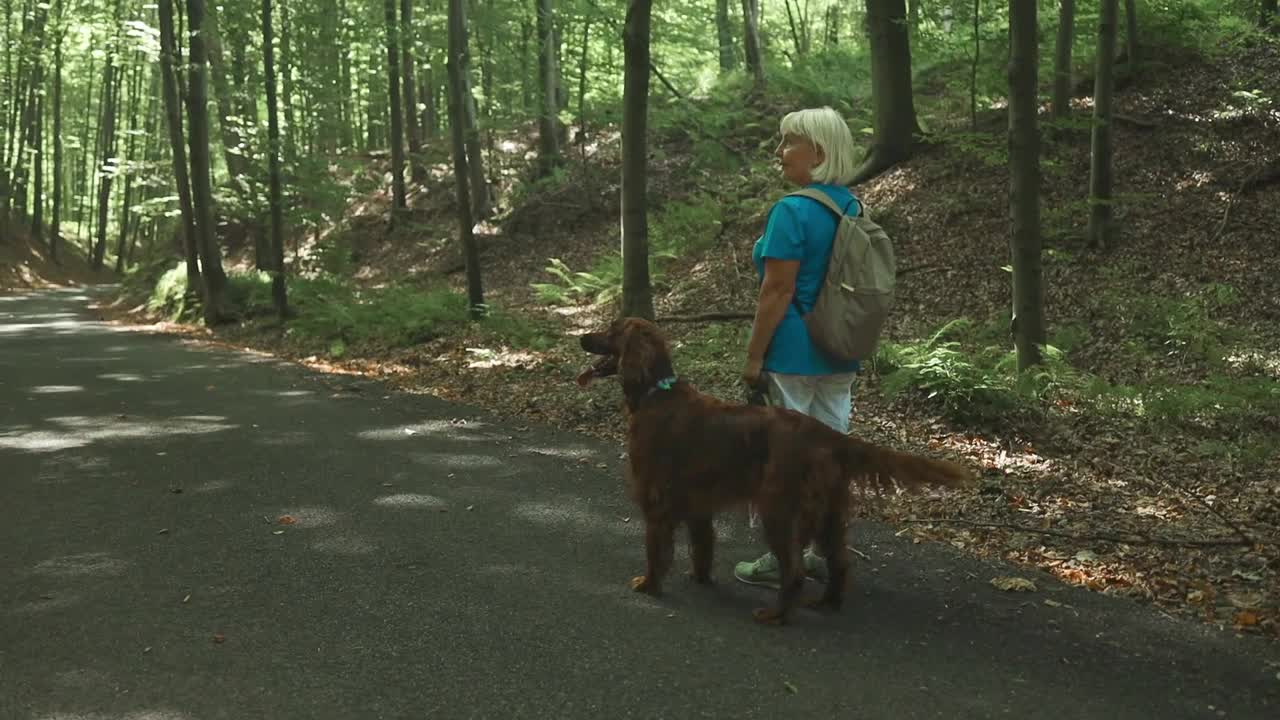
(768, 616)
(701, 579)
(641, 583)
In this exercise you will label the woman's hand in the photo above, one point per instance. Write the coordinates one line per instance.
(751, 372)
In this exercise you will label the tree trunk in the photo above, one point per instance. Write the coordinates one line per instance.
(126, 169)
(1131, 34)
(278, 290)
(286, 78)
(637, 292)
(56, 214)
(482, 204)
(1062, 59)
(895, 123)
(215, 279)
(1100, 179)
(407, 49)
(977, 55)
(178, 153)
(346, 91)
(724, 33)
(582, 85)
(1024, 184)
(232, 145)
(37, 170)
(751, 42)
(459, 90)
(396, 136)
(548, 142)
(84, 159)
(112, 81)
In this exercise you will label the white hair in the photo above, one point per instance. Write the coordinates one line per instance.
(826, 129)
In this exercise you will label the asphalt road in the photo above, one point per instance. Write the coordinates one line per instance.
(444, 564)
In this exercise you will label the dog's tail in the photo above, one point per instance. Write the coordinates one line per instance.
(878, 468)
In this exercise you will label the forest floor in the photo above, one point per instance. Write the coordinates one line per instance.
(1177, 508)
(26, 264)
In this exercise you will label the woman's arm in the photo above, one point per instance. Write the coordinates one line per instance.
(776, 290)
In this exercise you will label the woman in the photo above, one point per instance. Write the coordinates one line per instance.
(816, 151)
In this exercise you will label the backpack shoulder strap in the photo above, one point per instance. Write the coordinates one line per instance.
(825, 200)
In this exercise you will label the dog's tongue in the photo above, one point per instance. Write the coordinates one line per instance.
(586, 376)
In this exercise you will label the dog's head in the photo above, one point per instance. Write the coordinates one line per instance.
(632, 348)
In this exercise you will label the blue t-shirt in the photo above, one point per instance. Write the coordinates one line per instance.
(801, 228)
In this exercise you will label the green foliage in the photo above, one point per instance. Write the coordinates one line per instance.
(678, 229)
(973, 381)
(335, 314)
(1186, 327)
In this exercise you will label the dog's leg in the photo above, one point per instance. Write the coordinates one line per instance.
(781, 537)
(659, 542)
(831, 542)
(702, 540)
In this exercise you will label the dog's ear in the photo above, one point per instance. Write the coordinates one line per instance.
(637, 355)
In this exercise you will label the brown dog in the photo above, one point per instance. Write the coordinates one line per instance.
(692, 455)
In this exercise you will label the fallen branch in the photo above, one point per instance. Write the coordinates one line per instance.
(1226, 214)
(1101, 537)
(707, 317)
(1136, 121)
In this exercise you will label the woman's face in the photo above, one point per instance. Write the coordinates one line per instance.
(799, 157)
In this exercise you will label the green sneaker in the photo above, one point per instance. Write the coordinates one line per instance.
(764, 570)
(761, 571)
(815, 566)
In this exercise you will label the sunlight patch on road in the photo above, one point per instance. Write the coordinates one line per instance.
(123, 377)
(135, 715)
(344, 544)
(80, 431)
(452, 429)
(412, 501)
(46, 603)
(99, 563)
(455, 460)
(309, 517)
(570, 513)
(55, 389)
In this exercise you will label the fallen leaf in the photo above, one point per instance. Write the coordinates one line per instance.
(1052, 603)
(187, 598)
(1013, 584)
(219, 638)
(790, 688)
(162, 531)
(146, 649)
(1245, 618)
(287, 520)
(470, 508)
(1086, 556)
(1195, 597)
(277, 532)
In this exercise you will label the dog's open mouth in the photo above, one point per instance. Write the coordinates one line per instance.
(604, 367)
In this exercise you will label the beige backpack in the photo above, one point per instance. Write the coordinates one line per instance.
(855, 298)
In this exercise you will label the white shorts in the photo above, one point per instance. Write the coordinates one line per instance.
(828, 398)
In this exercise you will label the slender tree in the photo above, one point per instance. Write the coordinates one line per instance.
(724, 34)
(1131, 34)
(215, 278)
(751, 41)
(1024, 180)
(548, 145)
(396, 137)
(1062, 59)
(408, 47)
(637, 292)
(459, 93)
(58, 182)
(895, 124)
(1100, 173)
(279, 293)
(177, 150)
